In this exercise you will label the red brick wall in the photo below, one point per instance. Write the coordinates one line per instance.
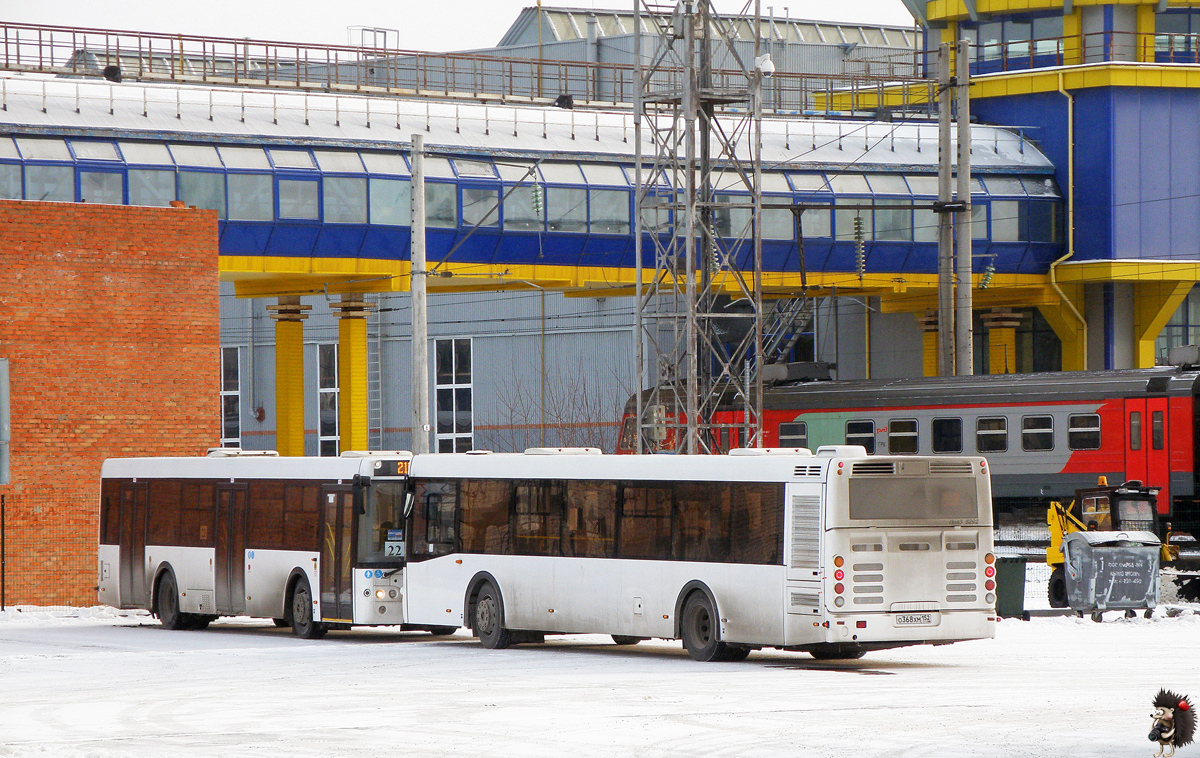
(109, 321)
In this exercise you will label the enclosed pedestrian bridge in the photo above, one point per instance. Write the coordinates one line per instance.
(312, 191)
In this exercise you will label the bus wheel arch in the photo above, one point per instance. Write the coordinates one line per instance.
(698, 624)
(485, 611)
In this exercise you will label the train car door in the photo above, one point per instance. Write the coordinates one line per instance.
(132, 554)
(1147, 456)
(337, 546)
(230, 561)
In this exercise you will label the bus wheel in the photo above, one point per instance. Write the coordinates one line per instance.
(303, 624)
(488, 619)
(699, 628)
(442, 631)
(624, 639)
(167, 605)
(1056, 589)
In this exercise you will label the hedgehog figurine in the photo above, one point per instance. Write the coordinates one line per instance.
(1173, 723)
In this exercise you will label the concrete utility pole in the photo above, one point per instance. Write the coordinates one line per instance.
(420, 325)
(945, 228)
(964, 360)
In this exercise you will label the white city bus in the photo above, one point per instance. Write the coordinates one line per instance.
(836, 553)
(314, 543)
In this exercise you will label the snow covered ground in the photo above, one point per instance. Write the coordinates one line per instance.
(97, 682)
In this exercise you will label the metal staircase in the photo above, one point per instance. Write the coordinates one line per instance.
(783, 327)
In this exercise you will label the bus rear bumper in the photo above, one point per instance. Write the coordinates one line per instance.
(897, 629)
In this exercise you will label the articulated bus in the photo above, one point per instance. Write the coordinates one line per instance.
(835, 554)
(314, 543)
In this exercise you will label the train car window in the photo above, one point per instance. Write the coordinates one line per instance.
(1037, 433)
(947, 435)
(1135, 430)
(991, 434)
(861, 432)
(1083, 431)
(793, 435)
(903, 436)
(1157, 428)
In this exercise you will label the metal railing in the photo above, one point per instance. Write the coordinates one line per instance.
(1093, 47)
(157, 57)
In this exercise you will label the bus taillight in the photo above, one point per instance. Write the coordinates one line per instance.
(989, 559)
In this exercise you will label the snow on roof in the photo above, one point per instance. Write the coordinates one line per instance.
(34, 104)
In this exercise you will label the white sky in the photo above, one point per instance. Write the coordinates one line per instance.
(423, 24)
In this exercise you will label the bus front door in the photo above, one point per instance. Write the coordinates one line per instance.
(230, 564)
(133, 546)
(337, 545)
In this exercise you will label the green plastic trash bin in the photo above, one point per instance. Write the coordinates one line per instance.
(1010, 586)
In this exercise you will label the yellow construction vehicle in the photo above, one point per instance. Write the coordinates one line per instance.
(1130, 507)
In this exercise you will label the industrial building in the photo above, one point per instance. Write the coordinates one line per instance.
(1084, 206)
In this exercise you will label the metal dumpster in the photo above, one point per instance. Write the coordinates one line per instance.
(1010, 586)
(1111, 571)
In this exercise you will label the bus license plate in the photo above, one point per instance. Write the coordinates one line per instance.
(915, 619)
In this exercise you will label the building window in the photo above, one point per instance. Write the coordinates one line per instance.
(1083, 431)
(991, 434)
(902, 436)
(793, 435)
(861, 433)
(455, 425)
(1037, 433)
(1183, 328)
(231, 399)
(328, 438)
(947, 435)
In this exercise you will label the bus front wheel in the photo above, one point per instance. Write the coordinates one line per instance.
(489, 619)
(167, 604)
(303, 623)
(699, 630)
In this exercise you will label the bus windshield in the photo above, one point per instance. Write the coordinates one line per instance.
(922, 498)
(381, 525)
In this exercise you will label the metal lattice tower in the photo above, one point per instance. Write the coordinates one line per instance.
(699, 313)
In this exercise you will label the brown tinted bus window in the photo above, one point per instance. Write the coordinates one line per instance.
(110, 512)
(162, 524)
(265, 521)
(484, 507)
(756, 523)
(645, 526)
(591, 519)
(197, 516)
(701, 521)
(301, 517)
(537, 525)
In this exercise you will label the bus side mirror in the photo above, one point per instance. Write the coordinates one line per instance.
(409, 499)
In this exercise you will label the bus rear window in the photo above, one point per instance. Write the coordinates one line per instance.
(924, 499)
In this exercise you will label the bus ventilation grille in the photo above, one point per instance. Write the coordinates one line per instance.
(803, 600)
(950, 467)
(874, 468)
(807, 471)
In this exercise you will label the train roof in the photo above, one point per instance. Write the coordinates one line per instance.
(1066, 386)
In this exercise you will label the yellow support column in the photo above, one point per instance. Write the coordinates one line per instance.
(1065, 320)
(352, 372)
(1002, 326)
(1154, 304)
(1072, 39)
(289, 317)
(929, 343)
(1145, 33)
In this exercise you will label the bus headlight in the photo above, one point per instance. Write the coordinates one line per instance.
(381, 593)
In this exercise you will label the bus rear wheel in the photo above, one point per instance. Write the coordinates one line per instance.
(167, 604)
(303, 623)
(698, 626)
(489, 619)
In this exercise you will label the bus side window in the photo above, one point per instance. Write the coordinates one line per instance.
(591, 519)
(538, 513)
(645, 524)
(484, 511)
(435, 518)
